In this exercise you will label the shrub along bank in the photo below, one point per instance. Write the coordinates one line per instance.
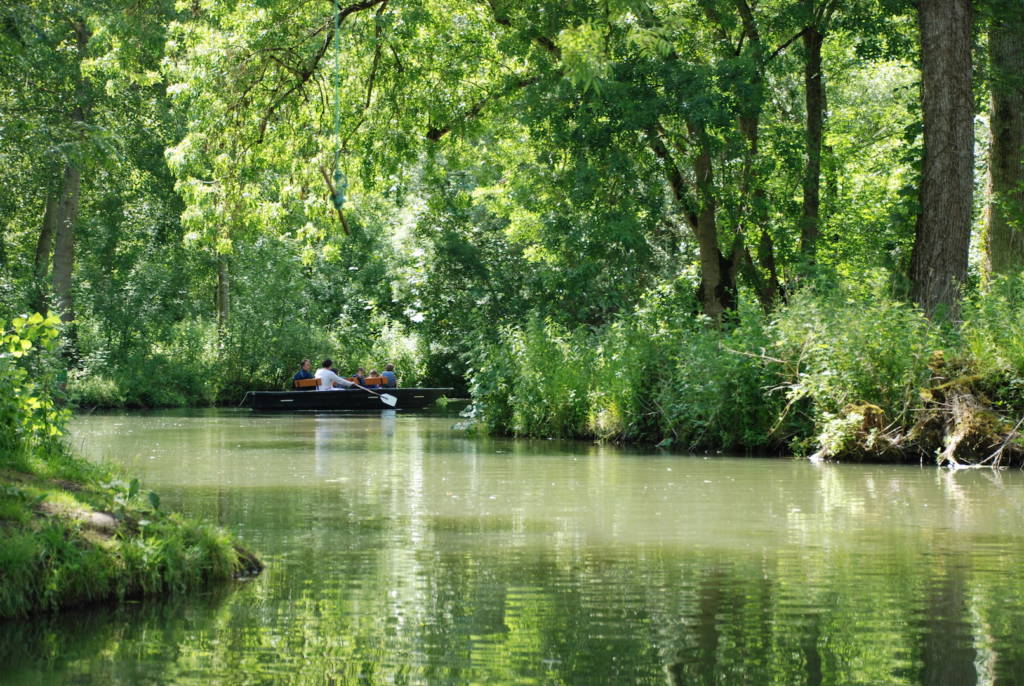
(72, 532)
(836, 373)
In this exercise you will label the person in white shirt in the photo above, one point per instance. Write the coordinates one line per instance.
(327, 380)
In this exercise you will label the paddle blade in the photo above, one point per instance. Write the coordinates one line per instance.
(388, 400)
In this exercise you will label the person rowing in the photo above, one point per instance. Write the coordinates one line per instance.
(327, 380)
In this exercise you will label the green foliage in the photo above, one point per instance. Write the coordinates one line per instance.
(791, 381)
(60, 558)
(641, 378)
(836, 349)
(717, 391)
(95, 390)
(536, 381)
(993, 339)
(522, 195)
(30, 421)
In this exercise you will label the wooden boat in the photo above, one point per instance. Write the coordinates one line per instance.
(348, 399)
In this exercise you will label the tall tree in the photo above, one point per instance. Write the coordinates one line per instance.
(819, 16)
(1004, 213)
(938, 264)
(71, 186)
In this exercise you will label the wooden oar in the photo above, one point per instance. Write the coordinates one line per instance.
(385, 398)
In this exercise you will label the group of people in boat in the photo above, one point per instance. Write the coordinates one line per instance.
(328, 380)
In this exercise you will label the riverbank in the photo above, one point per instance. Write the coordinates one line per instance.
(72, 533)
(850, 374)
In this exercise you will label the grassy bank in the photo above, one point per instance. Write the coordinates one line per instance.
(72, 532)
(846, 374)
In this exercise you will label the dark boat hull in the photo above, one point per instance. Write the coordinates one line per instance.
(330, 401)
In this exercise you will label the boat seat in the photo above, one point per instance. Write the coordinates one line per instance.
(369, 380)
(305, 383)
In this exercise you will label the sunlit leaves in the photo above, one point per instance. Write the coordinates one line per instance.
(583, 56)
(28, 414)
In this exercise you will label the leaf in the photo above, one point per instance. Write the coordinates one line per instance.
(133, 489)
(154, 500)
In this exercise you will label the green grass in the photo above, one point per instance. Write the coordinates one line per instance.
(51, 556)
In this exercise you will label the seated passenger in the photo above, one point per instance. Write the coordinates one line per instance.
(374, 375)
(303, 372)
(390, 379)
(327, 380)
(360, 376)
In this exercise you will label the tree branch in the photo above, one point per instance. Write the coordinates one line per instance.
(675, 179)
(778, 51)
(304, 75)
(540, 39)
(436, 133)
(376, 54)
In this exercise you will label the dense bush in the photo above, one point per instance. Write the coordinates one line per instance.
(835, 350)
(719, 392)
(536, 382)
(816, 372)
(993, 340)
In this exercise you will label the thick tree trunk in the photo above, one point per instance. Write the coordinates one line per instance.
(814, 96)
(1004, 213)
(717, 283)
(64, 243)
(938, 265)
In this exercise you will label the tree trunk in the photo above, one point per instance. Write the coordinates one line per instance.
(67, 213)
(717, 286)
(814, 95)
(717, 291)
(223, 297)
(64, 244)
(1004, 213)
(44, 248)
(938, 264)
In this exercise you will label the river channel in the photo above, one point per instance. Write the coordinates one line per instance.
(399, 550)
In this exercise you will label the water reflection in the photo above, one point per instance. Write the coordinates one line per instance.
(402, 552)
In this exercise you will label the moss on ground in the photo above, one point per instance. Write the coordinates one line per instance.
(72, 533)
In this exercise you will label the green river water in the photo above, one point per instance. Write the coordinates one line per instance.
(401, 551)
